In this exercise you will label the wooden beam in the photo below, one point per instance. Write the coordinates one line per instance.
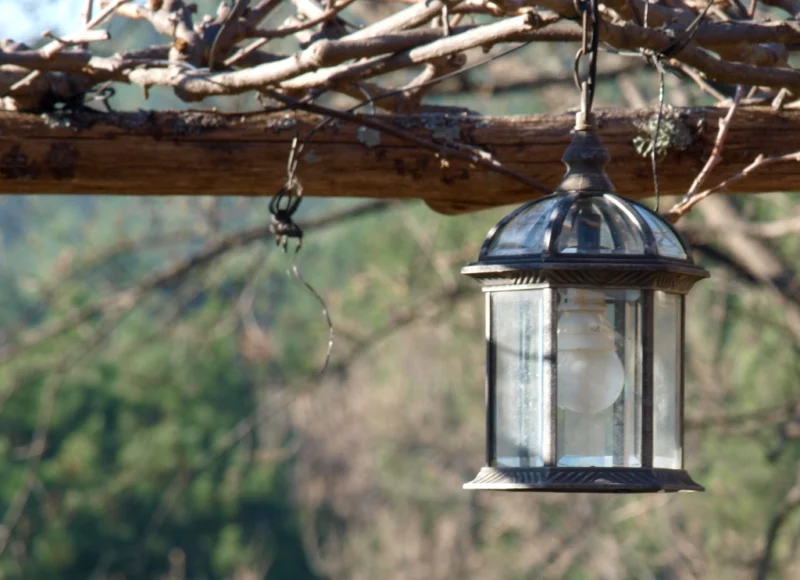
(206, 153)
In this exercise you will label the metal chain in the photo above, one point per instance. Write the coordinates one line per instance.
(590, 14)
(284, 204)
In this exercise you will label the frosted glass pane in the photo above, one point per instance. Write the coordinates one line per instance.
(667, 452)
(599, 378)
(517, 345)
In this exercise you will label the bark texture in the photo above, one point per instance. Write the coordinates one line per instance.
(202, 153)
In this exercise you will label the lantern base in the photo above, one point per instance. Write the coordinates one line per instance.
(584, 480)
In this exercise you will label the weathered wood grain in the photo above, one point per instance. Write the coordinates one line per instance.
(205, 153)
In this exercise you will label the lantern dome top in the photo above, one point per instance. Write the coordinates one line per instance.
(582, 225)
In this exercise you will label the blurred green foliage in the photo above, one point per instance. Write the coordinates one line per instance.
(183, 441)
(129, 479)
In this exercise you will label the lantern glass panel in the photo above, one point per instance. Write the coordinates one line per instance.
(667, 452)
(524, 234)
(599, 378)
(668, 243)
(517, 344)
(596, 225)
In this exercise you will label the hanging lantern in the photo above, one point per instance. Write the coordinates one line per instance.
(585, 320)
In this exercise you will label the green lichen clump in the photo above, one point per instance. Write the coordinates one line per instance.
(673, 134)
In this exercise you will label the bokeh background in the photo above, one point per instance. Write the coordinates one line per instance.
(181, 429)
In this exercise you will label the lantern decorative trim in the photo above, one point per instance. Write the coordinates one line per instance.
(585, 319)
(605, 480)
(669, 280)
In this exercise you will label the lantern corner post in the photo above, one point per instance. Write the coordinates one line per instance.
(549, 323)
(490, 396)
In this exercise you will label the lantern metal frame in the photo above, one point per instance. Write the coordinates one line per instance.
(550, 270)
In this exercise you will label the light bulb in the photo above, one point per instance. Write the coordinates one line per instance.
(590, 374)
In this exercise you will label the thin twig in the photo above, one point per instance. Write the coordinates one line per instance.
(680, 209)
(88, 5)
(714, 159)
(422, 82)
(245, 52)
(266, 35)
(86, 14)
(289, 30)
(698, 79)
(233, 13)
(82, 38)
(762, 229)
(716, 153)
(172, 273)
(452, 149)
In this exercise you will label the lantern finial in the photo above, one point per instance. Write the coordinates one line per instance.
(585, 158)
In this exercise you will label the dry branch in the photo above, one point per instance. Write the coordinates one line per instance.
(683, 207)
(692, 196)
(748, 53)
(124, 301)
(196, 153)
(758, 258)
(789, 504)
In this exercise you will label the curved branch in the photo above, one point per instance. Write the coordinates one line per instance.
(628, 36)
(790, 503)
